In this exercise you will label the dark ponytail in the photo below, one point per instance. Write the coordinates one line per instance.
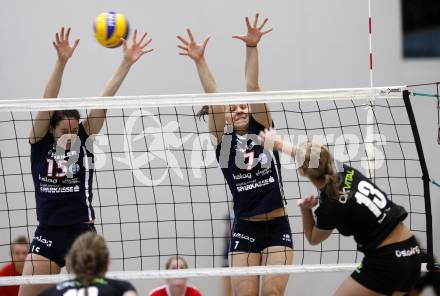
(59, 115)
(202, 112)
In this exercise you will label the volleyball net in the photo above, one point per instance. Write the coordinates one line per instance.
(158, 190)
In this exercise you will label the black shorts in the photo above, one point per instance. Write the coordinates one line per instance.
(394, 267)
(255, 236)
(53, 242)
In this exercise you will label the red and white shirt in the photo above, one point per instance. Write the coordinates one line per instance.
(164, 291)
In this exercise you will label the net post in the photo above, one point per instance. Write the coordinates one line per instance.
(425, 178)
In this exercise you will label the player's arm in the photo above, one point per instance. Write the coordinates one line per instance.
(196, 51)
(313, 234)
(251, 39)
(132, 53)
(40, 124)
(272, 141)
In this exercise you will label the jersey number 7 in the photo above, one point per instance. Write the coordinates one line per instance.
(250, 157)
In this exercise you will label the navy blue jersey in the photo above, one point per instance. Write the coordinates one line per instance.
(99, 286)
(63, 180)
(363, 211)
(252, 173)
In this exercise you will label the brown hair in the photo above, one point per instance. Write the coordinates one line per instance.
(177, 258)
(202, 112)
(318, 164)
(19, 240)
(88, 258)
(59, 115)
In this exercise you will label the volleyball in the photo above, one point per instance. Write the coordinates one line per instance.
(110, 27)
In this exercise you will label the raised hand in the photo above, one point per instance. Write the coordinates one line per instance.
(191, 48)
(62, 45)
(133, 52)
(270, 140)
(308, 203)
(254, 32)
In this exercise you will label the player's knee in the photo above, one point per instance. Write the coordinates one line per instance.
(242, 292)
(246, 289)
(272, 290)
(272, 293)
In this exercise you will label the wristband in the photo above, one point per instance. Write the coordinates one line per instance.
(251, 46)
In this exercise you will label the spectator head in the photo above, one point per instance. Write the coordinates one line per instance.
(176, 262)
(19, 251)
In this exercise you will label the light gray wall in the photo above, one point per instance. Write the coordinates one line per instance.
(315, 44)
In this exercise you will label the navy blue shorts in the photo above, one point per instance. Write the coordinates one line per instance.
(394, 267)
(54, 242)
(255, 236)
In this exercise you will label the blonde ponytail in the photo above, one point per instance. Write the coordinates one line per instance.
(315, 154)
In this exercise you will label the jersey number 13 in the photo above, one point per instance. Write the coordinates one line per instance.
(378, 201)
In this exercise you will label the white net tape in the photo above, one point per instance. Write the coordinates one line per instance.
(200, 99)
(190, 273)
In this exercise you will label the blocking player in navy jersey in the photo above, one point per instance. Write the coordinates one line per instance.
(62, 165)
(355, 206)
(89, 260)
(261, 232)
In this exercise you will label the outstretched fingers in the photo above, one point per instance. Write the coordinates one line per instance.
(142, 46)
(205, 42)
(256, 19)
(185, 45)
(75, 44)
(183, 40)
(239, 37)
(62, 34)
(57, 38)
(143, 37)
(263, 24)
(147, 51)
(134, 38)
(267, 31)
(190, 35)
(248, 24)
(67, 34)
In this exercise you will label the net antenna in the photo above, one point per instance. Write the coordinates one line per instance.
(438, 111)
(370, 134)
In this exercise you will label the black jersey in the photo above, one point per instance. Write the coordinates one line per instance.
(252, 173)
(364, 211)
(99, 286)
(63, 180)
